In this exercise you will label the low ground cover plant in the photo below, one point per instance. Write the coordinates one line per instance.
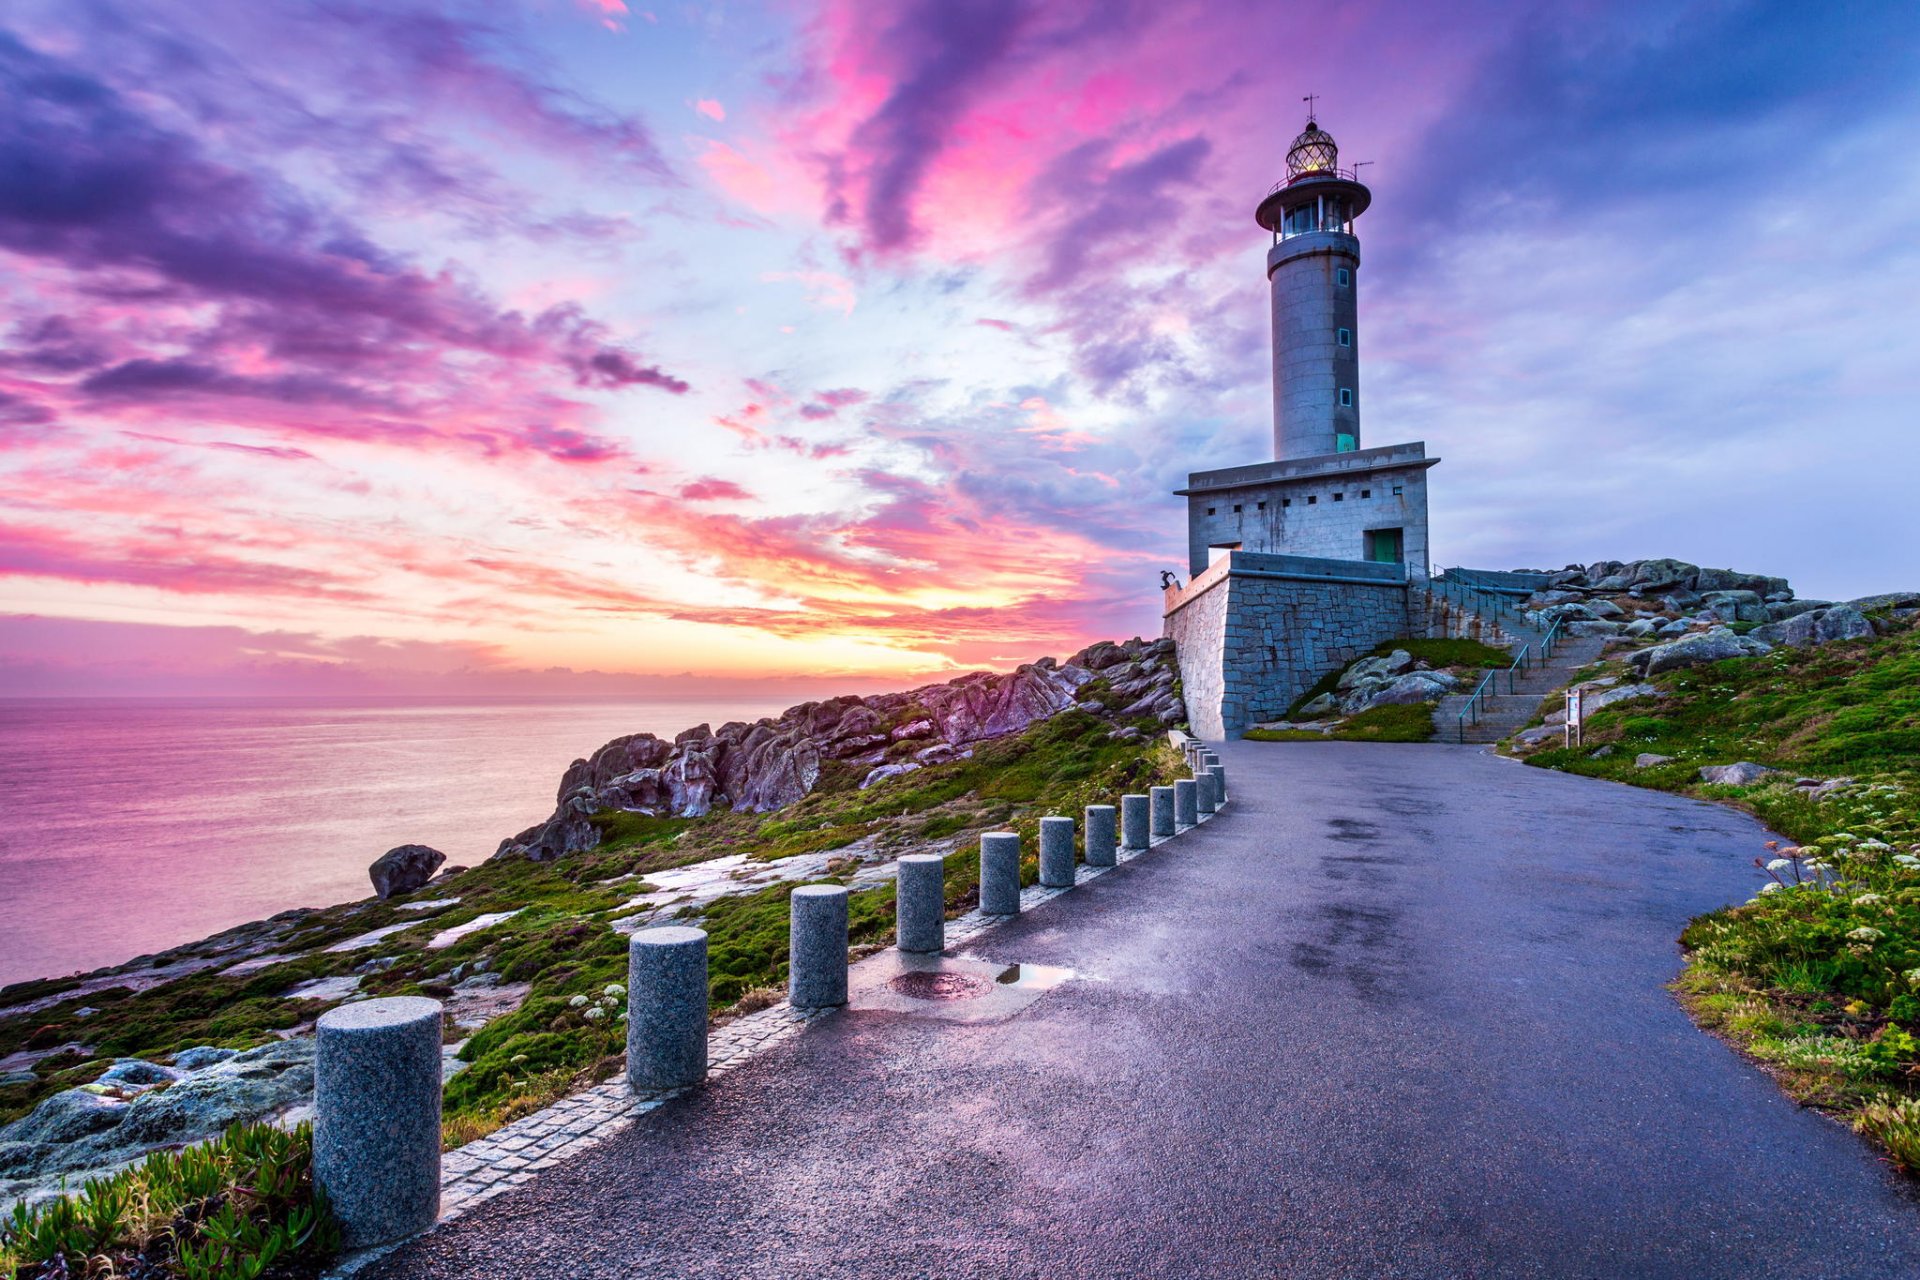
(242, 1207)
(1818, 975)
(1407, 722)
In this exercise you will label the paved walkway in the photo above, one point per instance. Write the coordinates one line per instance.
(1398, 1011)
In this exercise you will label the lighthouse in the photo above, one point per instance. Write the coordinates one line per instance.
(1313, 277)
(1304, 562)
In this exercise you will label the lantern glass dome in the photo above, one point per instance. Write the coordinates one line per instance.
(1314, 151)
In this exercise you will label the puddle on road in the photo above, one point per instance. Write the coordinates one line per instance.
(1033, 977)
(964, 988)
(934, 984)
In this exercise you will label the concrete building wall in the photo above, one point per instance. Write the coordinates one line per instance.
(1310, 367)
(1322, 516)
(1198, 630)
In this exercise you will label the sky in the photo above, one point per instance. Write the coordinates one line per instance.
(551, 346)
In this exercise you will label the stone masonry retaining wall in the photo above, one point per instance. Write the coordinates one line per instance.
(1248, 647)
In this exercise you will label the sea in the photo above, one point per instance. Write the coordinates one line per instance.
(127, 827)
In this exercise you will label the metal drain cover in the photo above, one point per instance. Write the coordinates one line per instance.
(923, 984)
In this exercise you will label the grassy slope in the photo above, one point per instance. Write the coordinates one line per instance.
(561, 942)
(1820, 977)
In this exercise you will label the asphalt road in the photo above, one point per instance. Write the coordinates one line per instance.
(1398, 1011)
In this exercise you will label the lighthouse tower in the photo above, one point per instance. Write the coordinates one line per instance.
(1303, 563)
(1313, 274)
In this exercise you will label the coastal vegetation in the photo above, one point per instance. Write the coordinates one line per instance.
(238, 1208)
(1818, 976)
(530, 980)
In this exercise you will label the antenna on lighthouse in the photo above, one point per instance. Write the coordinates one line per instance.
(1310, 99)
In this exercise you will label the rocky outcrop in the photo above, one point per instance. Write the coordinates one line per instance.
(1743, 774)
(404, 869)
(1670, 599)
(1820, 625)
(138, 1105)
(771, 763)
(1689, 651)
(1388, 680)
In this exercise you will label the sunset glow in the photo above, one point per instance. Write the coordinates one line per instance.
(400, 346)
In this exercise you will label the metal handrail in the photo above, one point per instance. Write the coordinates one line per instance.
(1520, 663)
(1547, 641)
(1476, 597)
(1329, 171)
(1473, 704)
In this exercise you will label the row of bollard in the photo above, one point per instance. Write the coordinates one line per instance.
(377, 1075)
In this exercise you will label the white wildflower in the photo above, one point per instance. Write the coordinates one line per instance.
(1868, 900)
(613, 989)
(1771, 886)
(1865, 933)
(577, 1001)
(594, 1015)
(1780, 864)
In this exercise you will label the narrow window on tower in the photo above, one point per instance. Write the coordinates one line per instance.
(1339, 497)
(1261, 507)
(1313, 500)
(1346, 337)
(1366, 493)
(1398, 490)
(1346, 397)
(1209, 510)
(1236, 508)
(1344, 276)
(1286, 502)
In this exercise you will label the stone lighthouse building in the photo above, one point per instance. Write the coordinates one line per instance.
(1303, 563)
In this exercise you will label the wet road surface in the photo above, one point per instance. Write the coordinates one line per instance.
(1397, 1012)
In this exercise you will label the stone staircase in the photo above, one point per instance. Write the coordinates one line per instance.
(1484, 606)
(1506, 711)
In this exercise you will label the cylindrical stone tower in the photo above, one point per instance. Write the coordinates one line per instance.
(1313, 273)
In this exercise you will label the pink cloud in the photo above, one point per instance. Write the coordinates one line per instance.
(710, 108)
(711, 489)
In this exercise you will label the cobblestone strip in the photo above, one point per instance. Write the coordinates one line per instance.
(515, 1153)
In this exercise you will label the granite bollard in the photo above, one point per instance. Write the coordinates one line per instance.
(817, 946)
(920, 902)
(1162, 810)
(376, 1127)
(1056, 853)
(1000, 873)
(666, 1008)
(1219, 772)
(1186, 810)
(1134, 826)
(1099, 832)
(1203, 801)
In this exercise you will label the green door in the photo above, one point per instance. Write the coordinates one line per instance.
(1383, 546)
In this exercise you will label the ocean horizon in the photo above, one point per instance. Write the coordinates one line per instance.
(137, 824)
